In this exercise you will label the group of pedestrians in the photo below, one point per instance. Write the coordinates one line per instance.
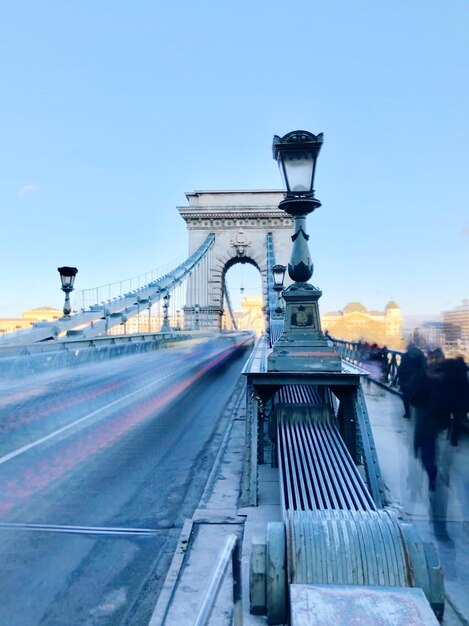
(373, 352)
(435, 393)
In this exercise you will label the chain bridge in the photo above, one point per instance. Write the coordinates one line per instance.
(192, 475)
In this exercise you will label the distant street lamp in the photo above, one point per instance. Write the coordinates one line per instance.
(67, 276)
(278, 273)
(149, 314)
(302, 346)
(197, 313)
(166, 326)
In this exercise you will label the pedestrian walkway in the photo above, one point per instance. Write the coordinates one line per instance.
(441, 516)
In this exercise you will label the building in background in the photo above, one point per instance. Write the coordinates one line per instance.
(457, 326)
(429, 335)
(29, 318)
(249, 317)
(355, 323)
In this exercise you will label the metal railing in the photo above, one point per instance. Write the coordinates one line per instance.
(359, 353)
(85, 298)
(21, 361)
(229, 553)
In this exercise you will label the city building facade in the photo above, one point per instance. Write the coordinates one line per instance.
(250, 316)
(28, 319)
(355, 323)
(457, 325)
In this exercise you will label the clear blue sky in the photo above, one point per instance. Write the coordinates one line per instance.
(111, 110)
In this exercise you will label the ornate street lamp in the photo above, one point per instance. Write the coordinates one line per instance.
(67, 276)
(197, 313)
(302, 346)
(296, 154)
(278, 273)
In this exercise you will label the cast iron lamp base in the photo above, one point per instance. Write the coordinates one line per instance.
(302, 346)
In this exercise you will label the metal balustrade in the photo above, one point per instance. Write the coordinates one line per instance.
(275, 320)
(20, 361)
(354, 352)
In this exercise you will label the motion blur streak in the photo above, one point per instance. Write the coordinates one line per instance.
(170, 379)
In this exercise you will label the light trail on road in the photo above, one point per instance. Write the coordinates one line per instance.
(111, 421)
(158, 381)
(99, 473)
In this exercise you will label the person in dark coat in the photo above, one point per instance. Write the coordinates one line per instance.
(429, 395)
(413, 364)
(458, 396)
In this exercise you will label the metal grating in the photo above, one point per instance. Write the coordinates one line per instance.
(299, 394)
(316, 469)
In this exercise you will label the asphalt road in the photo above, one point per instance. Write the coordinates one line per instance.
(99, 467)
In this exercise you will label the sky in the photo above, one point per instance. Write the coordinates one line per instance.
(111, 111)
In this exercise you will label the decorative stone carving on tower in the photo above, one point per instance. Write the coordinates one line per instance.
(240, 242)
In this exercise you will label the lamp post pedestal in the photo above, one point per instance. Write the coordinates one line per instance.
(302, 346)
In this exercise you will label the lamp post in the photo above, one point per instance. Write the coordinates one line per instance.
(197, 313)
(149, 314)
(302, 346)
(166, 327)
(278, 273)
(67, 276)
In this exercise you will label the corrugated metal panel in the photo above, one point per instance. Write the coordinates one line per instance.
(346, 548)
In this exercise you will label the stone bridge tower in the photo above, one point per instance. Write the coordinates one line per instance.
(240, 221)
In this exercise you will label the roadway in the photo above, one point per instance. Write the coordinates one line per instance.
(99, 468)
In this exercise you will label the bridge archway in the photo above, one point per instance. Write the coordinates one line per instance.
(242, 280)
(240, 221)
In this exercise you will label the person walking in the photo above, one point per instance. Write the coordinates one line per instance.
(413, 364)
(458, 396)
(429, 396)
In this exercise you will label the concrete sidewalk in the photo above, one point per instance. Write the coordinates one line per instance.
(218, 516)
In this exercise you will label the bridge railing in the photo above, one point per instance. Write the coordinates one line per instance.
(86, 298)
(275, 320)
(387, 361)
(18, 362)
